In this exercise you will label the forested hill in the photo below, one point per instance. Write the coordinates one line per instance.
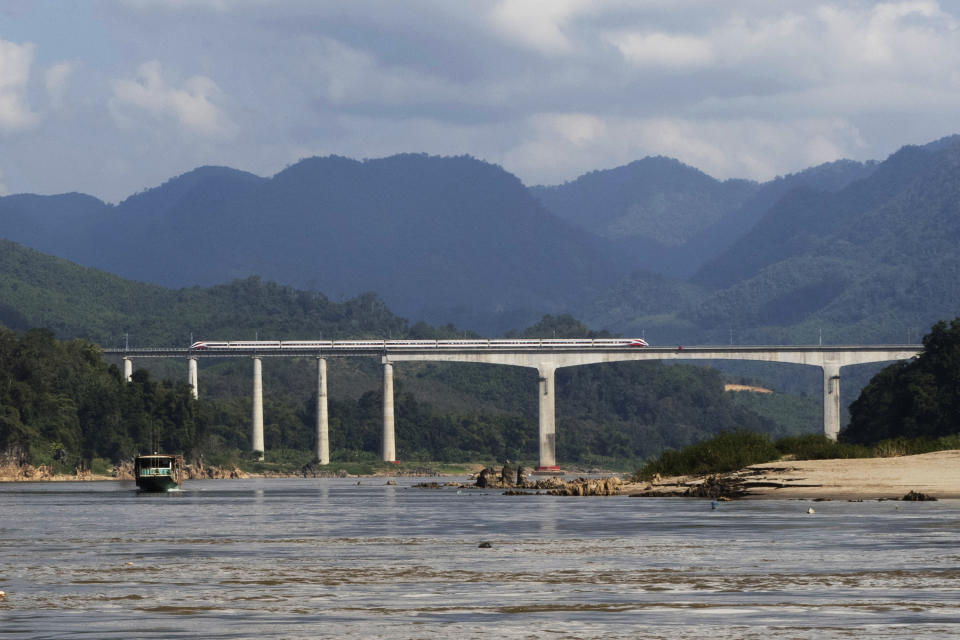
(668, 218)
(875, 261)
(438, 238)
(37, 290)
(846, 251)
(60, 403)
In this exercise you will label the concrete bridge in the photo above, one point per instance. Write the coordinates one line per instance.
(546, 356)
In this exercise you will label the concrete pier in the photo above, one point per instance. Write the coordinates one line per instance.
(257, 417)
(192, 378)
(389, 442)
(546, 357)
(831, 400)
(323, 436)
(548, 426)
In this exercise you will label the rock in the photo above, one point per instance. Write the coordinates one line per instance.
(582, 486)
(810, 510)
(521, 476)
(391, 483)
(485, 545)
(487, 478)
(916, 496)
(716, 487)
(506, 474)
(124, 470)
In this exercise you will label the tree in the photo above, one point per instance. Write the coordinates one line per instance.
(918, 398)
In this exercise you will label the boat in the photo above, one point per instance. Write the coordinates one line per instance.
(158, 472)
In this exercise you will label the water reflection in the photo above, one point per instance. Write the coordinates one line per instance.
(546, 516)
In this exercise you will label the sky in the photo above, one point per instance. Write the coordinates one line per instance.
(111, 97)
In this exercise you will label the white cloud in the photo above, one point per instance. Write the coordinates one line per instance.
(728, 148)
(662, 49)
(55, 80)
(537, 24)
(192, 105)
(834, 44)
(15, 62)
(547, 88)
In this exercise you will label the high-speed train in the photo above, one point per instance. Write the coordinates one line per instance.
(506, 343)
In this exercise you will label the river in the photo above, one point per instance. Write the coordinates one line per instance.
(338, 558)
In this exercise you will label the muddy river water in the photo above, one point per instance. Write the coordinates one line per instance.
(331, 558)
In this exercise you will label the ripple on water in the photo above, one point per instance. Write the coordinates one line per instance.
(310, 558)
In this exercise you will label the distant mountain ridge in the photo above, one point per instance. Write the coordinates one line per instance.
(863, 250)
(669, 218)
(657, 198)
(450, 239)
(875, 261)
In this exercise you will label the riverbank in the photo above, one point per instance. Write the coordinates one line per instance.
(934, 474)
(12, 472)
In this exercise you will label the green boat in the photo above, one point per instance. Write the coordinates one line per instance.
(158, 472)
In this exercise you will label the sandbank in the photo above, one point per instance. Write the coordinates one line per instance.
(934, 474)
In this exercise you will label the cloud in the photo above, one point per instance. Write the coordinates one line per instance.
(192, 106)
(547, 88)
(55, 80)
(723, 148)
(537, 24)
(663, 50)
(15, 62)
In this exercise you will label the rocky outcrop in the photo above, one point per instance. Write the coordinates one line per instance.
(24, 473)
(200, 471)
(521, 475)
(916, 496)
(123, 471)
(718, 486)
(489, 479)
(587, 487)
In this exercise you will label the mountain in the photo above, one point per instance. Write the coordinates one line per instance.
(445, 239)
(52, 223)
(37, 290)
(656, 198)
(669, 218)
(874, 261)
(845, 250)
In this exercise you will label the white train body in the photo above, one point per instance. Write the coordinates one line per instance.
(380, 345)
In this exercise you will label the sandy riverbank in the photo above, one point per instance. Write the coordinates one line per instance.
(935, 474)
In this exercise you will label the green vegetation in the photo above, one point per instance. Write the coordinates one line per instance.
(62, 405)
(795, 414)
(919, 398)
(908, 408)
(726, 452)
(74, 409)
(736, 450)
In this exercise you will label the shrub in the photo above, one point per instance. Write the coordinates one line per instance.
(819, 447)
(728, 451)
(100, 467)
